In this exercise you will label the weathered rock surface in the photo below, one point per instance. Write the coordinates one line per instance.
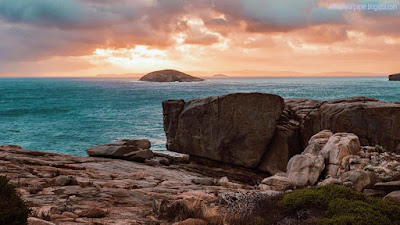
(135, 150)
(395, 195)
(304, 169)
(36, 221)
(394, 77)
(277, 183)
(339, 146)
(284, 144)
(171, 111)
(360, 179)
(374, 122)
(65, 189)
(234, 129)
(339, 159)
(169, 76)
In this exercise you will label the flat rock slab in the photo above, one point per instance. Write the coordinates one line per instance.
(67, 189)
(134, 150)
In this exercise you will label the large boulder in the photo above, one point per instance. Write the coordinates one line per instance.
(359, 178)
(304, 169)
(234, 128)
(169, 76)
(339, 146)
(277, 183)
(375, 122)
(318, 142)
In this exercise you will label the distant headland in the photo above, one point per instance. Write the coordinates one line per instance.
(220, 75)
(394, 77)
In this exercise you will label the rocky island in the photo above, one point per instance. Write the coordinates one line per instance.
(169, 76)
(248, 155)
(394, 77)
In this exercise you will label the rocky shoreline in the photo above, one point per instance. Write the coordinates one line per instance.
(238, 145)
(66, 189)
(263, 131)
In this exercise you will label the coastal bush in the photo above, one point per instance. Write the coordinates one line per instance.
(318, 197)
(323, 205)
(342, 206)
(343, 211)
(13, 210)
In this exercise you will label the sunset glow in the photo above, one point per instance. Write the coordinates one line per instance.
(113, 37)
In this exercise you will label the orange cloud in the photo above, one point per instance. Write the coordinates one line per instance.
(86, 37)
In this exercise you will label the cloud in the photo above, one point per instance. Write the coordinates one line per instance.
(64, 14)
(37, 30)
(279, 16)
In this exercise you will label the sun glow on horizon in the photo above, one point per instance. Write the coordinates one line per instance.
(141, 55)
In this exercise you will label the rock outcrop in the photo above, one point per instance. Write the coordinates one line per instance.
(374, 122)
(234, 129)
(134, 150)
(339, 146)
(394, 77)
(339, 159)
(66, 189)
(169, 76)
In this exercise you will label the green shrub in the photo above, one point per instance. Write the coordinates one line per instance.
(318, 197)
(323, 205)
(350, 220)
(389, 208)
(13, 210)
(354, 212)
(342, 206)
(258, 220)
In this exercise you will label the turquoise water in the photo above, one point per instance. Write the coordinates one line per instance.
(70, 115)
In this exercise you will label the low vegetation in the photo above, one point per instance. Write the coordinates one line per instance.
(323, 205)
(13, 210)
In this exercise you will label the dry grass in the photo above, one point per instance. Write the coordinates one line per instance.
(182, 209)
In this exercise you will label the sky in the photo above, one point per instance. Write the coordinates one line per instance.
(91, 37)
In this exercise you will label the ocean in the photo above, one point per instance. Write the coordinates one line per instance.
(69, 115)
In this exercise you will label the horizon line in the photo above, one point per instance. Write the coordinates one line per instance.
(206, 77)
